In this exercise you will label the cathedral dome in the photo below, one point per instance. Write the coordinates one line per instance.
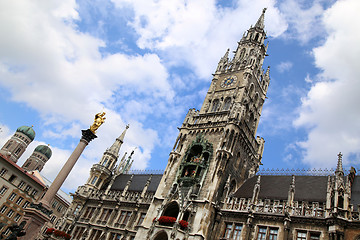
(44, 150)
(28, 131)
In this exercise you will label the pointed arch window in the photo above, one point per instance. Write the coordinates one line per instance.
(215, 105)
(105, 161)
(227, 104)
(242, 53)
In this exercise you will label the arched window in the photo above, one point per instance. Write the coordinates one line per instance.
(161, 236)
(242, 53)
(9, 144)
(172, 210)
(257, 37)
(227, 104)
(232, 186)
(215, 105)
(105, 161)
(18, 151)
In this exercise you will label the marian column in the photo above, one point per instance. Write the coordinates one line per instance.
(38, 214)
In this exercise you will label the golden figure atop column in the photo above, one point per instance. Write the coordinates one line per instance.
(98, 121)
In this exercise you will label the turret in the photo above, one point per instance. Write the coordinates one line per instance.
(38, 158)
(18, 143)
(102, 171)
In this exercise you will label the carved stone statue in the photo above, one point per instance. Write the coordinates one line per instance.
(98, 121)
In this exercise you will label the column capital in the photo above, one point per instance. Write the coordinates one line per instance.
(87, 135)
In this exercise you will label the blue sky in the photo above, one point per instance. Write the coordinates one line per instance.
(147, 62)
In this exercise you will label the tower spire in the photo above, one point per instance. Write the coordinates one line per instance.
(260, 21)
(339, 167)
(115, 148)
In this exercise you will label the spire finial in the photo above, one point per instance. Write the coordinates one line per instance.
(260, 21)
(339, 167)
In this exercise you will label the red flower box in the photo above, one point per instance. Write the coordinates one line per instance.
(165, 220)
(183, 224)
(49, 231)
(58, 233)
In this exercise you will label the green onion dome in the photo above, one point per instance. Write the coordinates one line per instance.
(28, 131)
(44, 150)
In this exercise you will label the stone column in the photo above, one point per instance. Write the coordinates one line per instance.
(87, 136)
(38, 214)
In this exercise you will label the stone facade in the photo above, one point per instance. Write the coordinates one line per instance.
(210, 188)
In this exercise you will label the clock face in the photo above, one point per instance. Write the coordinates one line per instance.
(228, 81)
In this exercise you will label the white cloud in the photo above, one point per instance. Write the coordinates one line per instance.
(196, 33)
(304, 20)
(47, 63)
(284, 66)
(330, 110)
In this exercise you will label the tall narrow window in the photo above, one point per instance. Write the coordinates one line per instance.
(261, 233)
(94, 180)
(227, 104)
(228, 229)
(273, 234)
(215, 105)
(2, 172)
(237, 232)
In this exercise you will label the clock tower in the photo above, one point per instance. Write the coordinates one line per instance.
(216, 149)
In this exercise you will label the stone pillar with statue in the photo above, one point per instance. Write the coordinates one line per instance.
(38, 214)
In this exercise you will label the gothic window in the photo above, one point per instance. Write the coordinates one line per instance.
(215, 105)
(242, 53)
(252, 52)
(124, 217)
(105, 161)
(161, 236)
(232, 231)
(267, 233)
(227, 104)
(306, 235)
(172, 210)
(141, 218)
(77, 209)
(232, 186)
(108, 165)
(257, 37)
(98, 182)
(228, 230)
(94, 180)
(186, 215)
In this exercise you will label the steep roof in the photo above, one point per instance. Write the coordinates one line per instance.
(5, 158)
(137, 183)
(355, 193)
(307, 188)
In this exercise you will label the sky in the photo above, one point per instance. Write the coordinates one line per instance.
(146, 62)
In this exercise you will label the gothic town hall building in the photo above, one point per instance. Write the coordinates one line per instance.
(211, 188)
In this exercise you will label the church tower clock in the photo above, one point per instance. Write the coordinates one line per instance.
(216, 149)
